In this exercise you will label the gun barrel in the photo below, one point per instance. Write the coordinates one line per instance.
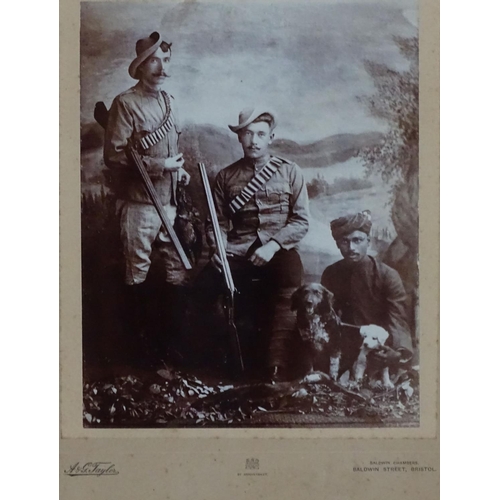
(221, 251)
(226, 270)
(159, 207)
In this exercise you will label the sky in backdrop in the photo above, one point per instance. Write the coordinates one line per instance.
(305, 60)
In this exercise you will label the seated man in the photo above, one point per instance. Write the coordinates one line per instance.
(367, 292)
(262, 207)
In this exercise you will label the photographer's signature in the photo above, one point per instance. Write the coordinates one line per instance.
(92, 469)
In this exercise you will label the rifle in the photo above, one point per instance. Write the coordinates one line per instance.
(226, 270)
(136, 158)
(101, 116)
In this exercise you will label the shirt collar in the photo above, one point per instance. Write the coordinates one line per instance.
(358, 266)
(145, 89)
(259, 163)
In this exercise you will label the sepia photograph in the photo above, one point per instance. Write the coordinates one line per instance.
(250, 215)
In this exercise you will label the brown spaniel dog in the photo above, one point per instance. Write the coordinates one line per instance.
(319, 329)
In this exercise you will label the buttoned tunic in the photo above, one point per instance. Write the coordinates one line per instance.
(279, 211)
(135, 113)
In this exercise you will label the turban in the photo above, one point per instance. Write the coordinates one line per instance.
(343, 226)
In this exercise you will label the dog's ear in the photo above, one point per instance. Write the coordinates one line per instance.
(383, 335)
(364, 331)
(376, 332)
(327, 301)
(296, 298)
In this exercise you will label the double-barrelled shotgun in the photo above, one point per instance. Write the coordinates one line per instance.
(153, 195)
(226, 271)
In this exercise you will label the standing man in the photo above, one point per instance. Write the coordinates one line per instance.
(367, 292)
(262, 207)
(135, 114)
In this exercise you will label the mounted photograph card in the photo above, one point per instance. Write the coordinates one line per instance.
(249, 249)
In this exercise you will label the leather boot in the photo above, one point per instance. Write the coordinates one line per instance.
(282, 328)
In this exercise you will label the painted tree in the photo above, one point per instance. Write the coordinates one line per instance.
(396, 101)
(395, 158)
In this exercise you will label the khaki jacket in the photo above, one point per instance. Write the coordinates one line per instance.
(134, 114)
(279, 211)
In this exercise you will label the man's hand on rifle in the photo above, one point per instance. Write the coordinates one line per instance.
(175, 164)
(265, 253)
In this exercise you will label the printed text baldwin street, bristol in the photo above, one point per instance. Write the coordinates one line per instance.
(394, 466)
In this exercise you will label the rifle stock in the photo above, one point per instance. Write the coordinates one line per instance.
(226, 271)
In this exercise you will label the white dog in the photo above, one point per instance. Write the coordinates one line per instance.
(373, 337)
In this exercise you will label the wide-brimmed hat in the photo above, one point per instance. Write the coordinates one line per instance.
(144, 48)
(248, 115)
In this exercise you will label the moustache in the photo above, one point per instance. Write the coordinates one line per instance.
(160, 74)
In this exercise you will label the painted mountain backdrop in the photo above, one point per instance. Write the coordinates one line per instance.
(218, 148)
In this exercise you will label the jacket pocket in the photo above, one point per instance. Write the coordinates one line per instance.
(279, 196)
(273, 195)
